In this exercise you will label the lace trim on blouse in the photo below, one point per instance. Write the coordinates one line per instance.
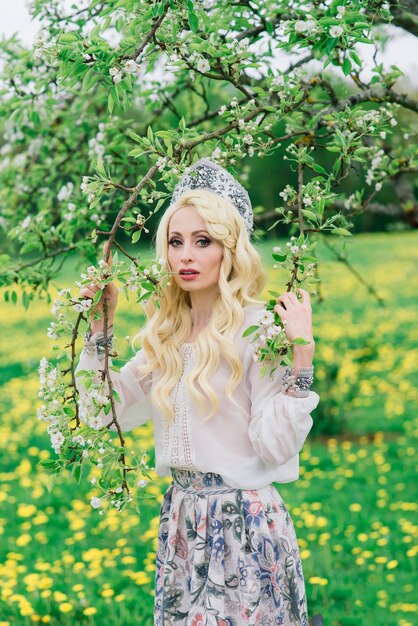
(176, 438)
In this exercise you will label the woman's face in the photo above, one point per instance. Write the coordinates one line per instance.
(190, 247)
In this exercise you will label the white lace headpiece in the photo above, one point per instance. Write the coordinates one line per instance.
(204, 174)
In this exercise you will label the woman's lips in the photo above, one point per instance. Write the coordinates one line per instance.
(189, 276)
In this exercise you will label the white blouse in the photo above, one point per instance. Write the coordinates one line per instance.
(249, 448)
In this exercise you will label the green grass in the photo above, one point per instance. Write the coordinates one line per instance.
(353, 506)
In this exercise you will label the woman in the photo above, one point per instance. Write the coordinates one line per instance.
(227, 550)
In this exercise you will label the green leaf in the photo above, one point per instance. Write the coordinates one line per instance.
(25, 300)
(182, 124)
(81, 372)
(136, 152)
(116, 395)
(341, 231)
(77, 472)
(14, 297)
(136, 236)
(317, 168)
(97, 296)
(310, 215)
(69, 37)
(90, 78)
(279, 257)
(193, 21)
(49, 463)
(134, 136)
(347, 66)
(355, 57)
(69, 410)
(114, 368)
(110, 103)
(50, 481)
(300, 341)
(249, 331)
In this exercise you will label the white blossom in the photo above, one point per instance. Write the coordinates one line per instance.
(117, 77)
(336, 31)
(203, 65)
(222, 110)
(96, 502)
(96, 422)
(82, 306)
(57, 438)
(65, 191)
(131, 67)
(266, 319)
(302, 26)
(273, 330)
(141, 483)
(248, 138)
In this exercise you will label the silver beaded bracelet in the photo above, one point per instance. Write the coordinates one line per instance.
(95, 344)
(298, 386)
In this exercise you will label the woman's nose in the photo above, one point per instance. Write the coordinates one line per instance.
(187, 254)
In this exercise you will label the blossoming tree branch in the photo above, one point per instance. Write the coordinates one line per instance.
(111, 105)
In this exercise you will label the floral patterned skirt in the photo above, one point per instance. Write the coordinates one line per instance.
(226, 556)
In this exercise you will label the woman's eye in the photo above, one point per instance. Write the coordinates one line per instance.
(202, 242)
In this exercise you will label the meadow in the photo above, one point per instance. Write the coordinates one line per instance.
(354, 505)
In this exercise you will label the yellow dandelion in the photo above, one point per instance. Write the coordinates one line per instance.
(23, 540)
(90, 611)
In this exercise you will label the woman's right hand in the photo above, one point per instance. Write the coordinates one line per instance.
(110, 292)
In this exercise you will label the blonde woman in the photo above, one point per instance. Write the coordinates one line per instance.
(227, 549)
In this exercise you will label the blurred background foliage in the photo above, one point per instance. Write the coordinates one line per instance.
(354, 505)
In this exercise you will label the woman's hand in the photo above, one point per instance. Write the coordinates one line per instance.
(110, 292)
(296, 316)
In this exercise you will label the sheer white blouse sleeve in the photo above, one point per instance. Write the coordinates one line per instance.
(134, 408)
(279, 423)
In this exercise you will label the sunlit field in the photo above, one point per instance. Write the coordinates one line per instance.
(354, 506)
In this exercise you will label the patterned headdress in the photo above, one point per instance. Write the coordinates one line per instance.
(204, 174)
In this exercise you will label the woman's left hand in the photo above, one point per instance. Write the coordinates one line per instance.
(296, 316)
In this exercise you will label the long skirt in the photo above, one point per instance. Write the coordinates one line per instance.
(226, 556)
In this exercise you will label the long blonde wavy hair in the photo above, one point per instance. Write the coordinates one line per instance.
(170, 320)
